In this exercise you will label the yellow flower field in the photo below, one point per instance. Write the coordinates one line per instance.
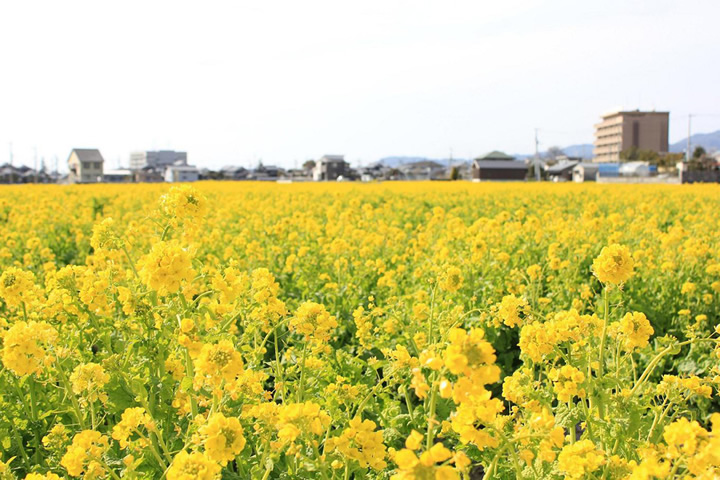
(398, 331)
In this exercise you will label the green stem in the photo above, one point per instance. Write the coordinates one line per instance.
(33, 399)
(658, 419)
(301, 388)
(71, 395)
(491, 469)
(601, 406)
(431, 320)
(130, 261)
(189, 372)
(165, 232)
(23, 453)
(278, 366)
(431, 417)
(110, 470)
(93, 423)
(654, 362)
(409, 404)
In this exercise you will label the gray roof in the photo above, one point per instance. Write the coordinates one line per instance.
(332, 158)
(420, 164)
(500, 164)
(496, 155)
(561, 166)
(88, 154)
(232, 168)
(183, 168)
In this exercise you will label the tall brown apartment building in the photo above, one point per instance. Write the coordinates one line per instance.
(619, 131)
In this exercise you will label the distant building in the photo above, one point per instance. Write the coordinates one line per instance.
(373, 171)
(266, 173)
(498, 166)
(562, 171)
(608, 169)
(585, 172)
(496, 155)
(620, 131)
(181, 173)
(149, 175)
(331, 167)
(22, 174)
(423, 170)
(635, 169)
(86, 166)
(118, 176)
(158, 159)
(233, 172)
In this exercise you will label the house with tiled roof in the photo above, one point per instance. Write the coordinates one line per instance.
(86, 165)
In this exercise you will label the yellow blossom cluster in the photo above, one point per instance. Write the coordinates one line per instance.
(313, 321)
(579, 460)
(566, 381)
(24, 347)
(85, 456)
(360, 442)
(166, 267)
(614, 265)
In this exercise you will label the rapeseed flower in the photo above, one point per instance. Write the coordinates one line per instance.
(24, 347)
(166, 268)
(614, 265)
(193, 466)
(580, 459)
(222, 438)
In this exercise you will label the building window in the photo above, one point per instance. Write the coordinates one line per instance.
(85, 165)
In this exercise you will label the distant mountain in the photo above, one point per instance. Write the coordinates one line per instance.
(709, 141)
(583, 150)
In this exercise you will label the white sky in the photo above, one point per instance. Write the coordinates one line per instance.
(283, 81)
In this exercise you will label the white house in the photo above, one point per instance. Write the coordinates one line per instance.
(585, 172)
(331, 167)
(86, 165)
(181, 173)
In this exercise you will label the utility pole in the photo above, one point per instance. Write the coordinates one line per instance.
(537, 157)
(687, 148)
(35, 163)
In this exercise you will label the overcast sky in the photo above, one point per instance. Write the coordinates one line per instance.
(284, 81)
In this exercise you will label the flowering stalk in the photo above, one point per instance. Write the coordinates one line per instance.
(71, 395)
(601, 406)
(431, 416)
(130, 261)
(301, 388)
(278, 366)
